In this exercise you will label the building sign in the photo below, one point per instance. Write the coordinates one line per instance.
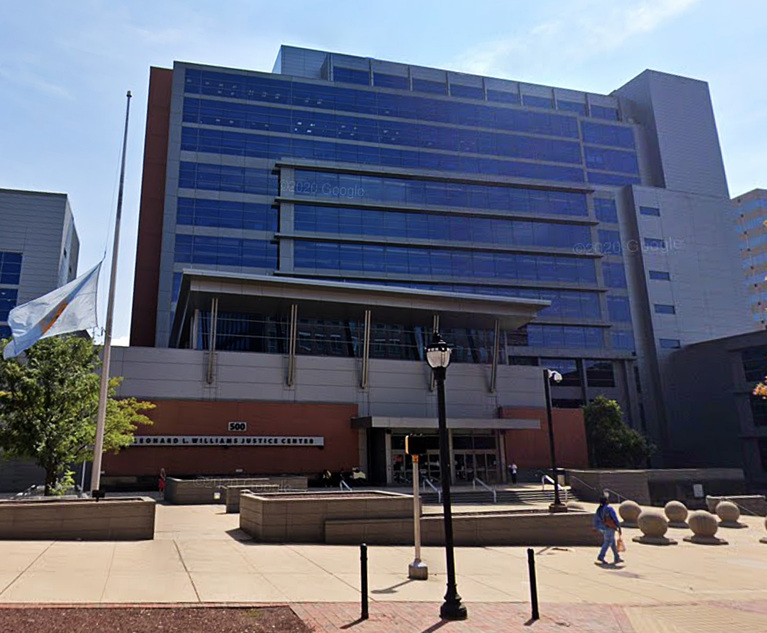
(228, 440)
(238, 426)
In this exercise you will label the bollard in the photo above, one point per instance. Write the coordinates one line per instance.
(533, 586)
(364, 580)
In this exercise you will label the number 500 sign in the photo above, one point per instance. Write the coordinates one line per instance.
(238, 426)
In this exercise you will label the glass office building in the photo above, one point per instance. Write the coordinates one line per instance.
(347, 169)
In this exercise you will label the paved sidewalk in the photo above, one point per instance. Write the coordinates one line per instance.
(722, 617)
(200, 556)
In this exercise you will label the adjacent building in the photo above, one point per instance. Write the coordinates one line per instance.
(751, 220)
(303, 232)
(39, 247)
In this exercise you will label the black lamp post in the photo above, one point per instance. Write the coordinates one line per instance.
(438, 357)
(548, 376)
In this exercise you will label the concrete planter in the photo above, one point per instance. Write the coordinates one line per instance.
(116, 519)
(301, 518)
(203, 491)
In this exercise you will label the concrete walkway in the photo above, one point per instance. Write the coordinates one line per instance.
(200, 555)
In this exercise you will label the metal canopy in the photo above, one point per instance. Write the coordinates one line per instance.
(271, 295)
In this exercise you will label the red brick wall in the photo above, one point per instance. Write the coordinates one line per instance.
(195, 417)
(147, 277)
(530, 448)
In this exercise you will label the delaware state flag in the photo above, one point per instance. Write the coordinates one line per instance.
(67, 309)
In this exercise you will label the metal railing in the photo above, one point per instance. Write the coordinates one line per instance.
(606, 490)
(477, 480)
(27, 493)
(344, 486)
(427, 482)
(546, 479)
(743, 509)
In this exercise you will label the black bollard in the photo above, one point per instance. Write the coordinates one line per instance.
(364, 580)
(533, 585)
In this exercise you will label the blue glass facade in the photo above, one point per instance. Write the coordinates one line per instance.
(10, 277)
(384, 178)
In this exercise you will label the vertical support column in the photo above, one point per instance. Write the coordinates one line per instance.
(365, 352)
(292, 344)
(496, 352)
(212, 327)
(195, 328)
(434, 328)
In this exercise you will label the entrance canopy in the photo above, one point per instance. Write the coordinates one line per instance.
(275, 295)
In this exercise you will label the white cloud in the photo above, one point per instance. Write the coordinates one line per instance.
(582, 31)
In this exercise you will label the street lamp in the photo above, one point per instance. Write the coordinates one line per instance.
(438, 357)
(548, 376)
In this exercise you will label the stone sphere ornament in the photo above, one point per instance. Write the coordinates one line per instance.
(728, 514)
(676, 512)
(629, 512)
(704, 527)
(654, 526)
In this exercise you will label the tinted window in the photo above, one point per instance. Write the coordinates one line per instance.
(351, 75)
(670, 343)
(599, 373)
(538, 102)
(661, 308)
(604, 112)
(466, 92)
(391, 81)
(572, 106)
(649, 211)
(426, 85)
(605, 210)
(660, 275)
(10, 268)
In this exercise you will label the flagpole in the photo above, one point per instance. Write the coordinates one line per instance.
(98, 447)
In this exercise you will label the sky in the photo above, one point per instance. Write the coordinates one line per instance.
(65, 68)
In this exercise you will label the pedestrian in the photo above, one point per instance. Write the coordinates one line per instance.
(606, 521)
(513, 473)
(161, 483)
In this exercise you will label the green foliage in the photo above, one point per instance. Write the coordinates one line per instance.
(49, 403)
(64, 483)
(612, 444)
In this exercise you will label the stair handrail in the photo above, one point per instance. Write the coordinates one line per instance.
(427, 482)
(344, 486)
(742, 508)
(26, 493)
(617, 494)
(545, 478)
(477, 480)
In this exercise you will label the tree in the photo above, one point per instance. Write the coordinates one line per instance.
(611, 443)
(49, 404)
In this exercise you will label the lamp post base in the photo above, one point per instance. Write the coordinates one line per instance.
(452, 609)
(418, 570)
(557, 507)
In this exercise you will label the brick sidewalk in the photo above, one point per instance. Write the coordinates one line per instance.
(420, 617)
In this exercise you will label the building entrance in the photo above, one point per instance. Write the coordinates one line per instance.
(474, 454)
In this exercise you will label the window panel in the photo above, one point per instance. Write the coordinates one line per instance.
(670, 343)
(605, 210)
(662, 308)
(383, 80)
(599, 373)
(651, 211)
(659, 275)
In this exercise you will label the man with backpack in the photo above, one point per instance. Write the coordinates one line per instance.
(606, 521)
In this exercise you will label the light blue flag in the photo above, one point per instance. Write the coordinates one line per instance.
(67, 309)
